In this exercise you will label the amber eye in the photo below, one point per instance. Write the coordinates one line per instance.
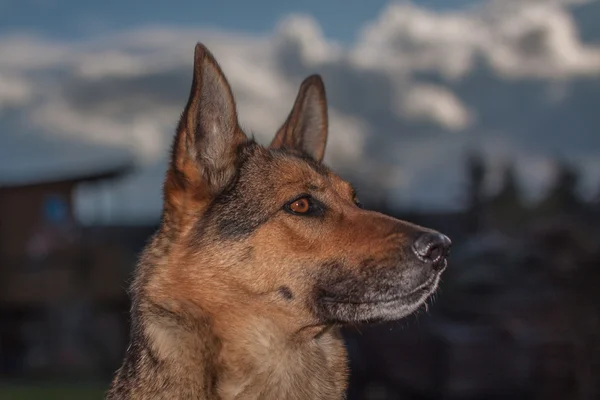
(306, 206)
(300, 206)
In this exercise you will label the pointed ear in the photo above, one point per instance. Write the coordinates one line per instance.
(208, 136)
(306, 127)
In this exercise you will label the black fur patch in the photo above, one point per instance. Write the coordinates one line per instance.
(286, 293)
(347, 294)
(231, 212)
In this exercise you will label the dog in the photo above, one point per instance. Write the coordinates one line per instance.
(261, 255)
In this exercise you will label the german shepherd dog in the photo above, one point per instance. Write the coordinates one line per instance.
(262, 253)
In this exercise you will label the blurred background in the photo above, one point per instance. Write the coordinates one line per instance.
(480, 118)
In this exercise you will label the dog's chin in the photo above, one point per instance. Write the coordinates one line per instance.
(335, 310)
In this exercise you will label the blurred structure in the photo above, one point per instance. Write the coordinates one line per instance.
(52, 277)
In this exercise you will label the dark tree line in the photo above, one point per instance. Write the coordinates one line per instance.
(507, 208)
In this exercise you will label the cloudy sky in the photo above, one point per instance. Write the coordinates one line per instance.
(411, 85)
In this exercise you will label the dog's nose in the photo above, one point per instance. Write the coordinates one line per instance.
(433, 248)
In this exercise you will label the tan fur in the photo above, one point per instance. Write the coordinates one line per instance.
(232, 299)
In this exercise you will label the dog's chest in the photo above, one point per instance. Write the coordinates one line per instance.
(316, 370)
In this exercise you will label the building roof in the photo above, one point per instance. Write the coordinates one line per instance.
(30, 159)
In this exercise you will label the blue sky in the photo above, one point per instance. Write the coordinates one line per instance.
(411, 87)
(68, 18)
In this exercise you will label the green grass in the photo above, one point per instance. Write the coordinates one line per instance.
(51, 391)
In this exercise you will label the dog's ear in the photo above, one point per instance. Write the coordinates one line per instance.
(208, 135)
(306, 127)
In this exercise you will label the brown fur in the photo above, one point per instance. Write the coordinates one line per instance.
(236, 297)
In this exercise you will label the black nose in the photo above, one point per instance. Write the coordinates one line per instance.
(433, 248)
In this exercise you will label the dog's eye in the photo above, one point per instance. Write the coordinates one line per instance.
(305, 205)
(301, 205)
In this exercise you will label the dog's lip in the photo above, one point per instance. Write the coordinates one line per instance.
(424, 289)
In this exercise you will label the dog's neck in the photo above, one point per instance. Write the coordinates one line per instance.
(235, 350)
(248, 354)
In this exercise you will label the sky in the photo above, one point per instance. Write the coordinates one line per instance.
(340, 19)
(412, 86)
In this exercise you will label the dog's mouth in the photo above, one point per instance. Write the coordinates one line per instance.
(414, 296)
(384, 307)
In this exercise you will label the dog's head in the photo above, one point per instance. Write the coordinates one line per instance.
(274, 227)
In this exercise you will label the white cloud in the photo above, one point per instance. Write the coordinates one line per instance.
(314, 49)
(26, 53)
(143, 132)
(14, 91)
(520, 39)
(406, 99)
(540, 41)
(407, 38)
(434, 103)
